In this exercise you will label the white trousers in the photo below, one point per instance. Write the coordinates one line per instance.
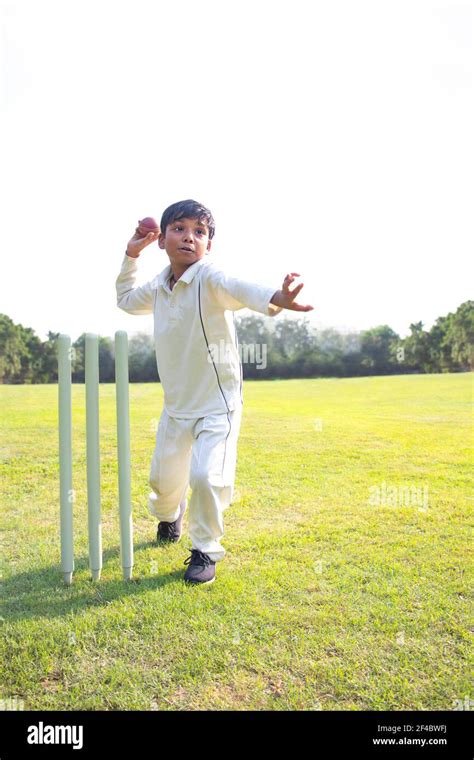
(201, 453)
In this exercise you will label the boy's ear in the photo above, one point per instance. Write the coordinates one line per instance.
(209, 243)
(161, 241)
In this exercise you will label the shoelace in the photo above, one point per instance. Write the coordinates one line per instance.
(166, 530)
(198, 558)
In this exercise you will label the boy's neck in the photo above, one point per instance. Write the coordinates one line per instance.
(179, 269)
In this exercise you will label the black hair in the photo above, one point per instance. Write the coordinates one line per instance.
(190, 210)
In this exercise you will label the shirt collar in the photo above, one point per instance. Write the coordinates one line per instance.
(187, 277)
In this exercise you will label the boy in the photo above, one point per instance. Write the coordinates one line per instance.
(196, 442)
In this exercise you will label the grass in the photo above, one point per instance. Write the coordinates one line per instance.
(325, 600)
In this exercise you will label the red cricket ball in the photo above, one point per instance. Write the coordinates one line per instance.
(146, 225)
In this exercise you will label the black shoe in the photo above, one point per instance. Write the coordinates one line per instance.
(201, 568)
(171, 531)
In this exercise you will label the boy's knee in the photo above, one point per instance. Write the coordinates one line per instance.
(203, 480)
(199, 479)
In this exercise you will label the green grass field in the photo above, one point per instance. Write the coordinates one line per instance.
(326, 600)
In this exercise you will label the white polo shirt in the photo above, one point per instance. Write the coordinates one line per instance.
(192, 323)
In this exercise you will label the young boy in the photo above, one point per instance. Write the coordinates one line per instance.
(196, 442)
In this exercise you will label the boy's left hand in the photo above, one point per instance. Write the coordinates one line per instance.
(286, 297)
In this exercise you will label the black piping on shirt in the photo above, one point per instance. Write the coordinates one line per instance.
(240, 363)
(217, 375)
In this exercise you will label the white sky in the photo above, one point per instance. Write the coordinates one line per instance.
(330, 138)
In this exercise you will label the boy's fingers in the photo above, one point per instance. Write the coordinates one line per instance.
(290, 277)
(296, 290)
(146, 238)
(298, 307)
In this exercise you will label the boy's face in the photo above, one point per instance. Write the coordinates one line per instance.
(185, 241)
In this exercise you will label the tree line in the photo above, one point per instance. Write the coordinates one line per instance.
(283, 348)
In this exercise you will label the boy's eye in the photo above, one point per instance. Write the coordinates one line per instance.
(179, 228)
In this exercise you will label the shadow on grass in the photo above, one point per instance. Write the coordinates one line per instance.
(42, 592)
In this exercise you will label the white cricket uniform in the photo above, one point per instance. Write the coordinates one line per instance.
(196, 440)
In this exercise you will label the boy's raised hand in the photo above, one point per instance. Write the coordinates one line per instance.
(137, 243)
(286, 297)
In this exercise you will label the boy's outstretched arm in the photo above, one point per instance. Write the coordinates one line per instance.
(234, 294)
(285, 298)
